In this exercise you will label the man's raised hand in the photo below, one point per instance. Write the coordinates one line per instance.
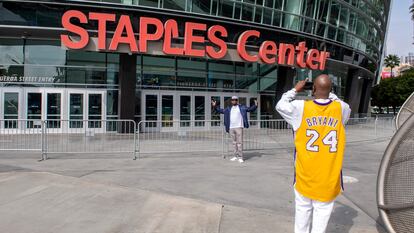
(213, 103)
(300, 86)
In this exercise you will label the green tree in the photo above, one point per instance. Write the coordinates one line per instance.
(392, 61)
(392, 92)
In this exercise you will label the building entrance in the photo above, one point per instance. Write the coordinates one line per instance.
(69, 108)
(164, 110)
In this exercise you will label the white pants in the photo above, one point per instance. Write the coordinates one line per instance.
(305, 207)
(237, 137)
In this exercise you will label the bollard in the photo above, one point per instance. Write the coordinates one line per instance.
(135, 141)
(43, 139)
(222, 144)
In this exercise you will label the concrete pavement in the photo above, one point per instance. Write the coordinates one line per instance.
(257, 196)
(39, 202)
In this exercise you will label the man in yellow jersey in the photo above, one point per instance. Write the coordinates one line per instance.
(319, 130)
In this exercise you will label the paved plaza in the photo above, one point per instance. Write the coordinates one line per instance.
(176, 192)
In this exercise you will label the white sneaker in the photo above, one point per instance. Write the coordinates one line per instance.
(233, 159)
(241, 161)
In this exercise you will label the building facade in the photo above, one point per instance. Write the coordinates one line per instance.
(409, 59)
(162, 60)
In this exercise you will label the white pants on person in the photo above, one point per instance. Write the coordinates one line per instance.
(304, 210)
(237, 138)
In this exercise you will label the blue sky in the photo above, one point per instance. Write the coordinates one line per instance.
(400, 31)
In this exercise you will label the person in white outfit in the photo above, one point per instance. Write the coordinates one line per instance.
(319, 130)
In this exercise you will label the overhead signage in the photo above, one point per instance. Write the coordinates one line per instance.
(26, 79)
(269, 52)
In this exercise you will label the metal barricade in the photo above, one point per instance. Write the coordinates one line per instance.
(360, 129)
(385, 127)
(89, 137)
(24, 135)
(201, 136)
(263, 135)
(115, 137)
(369, 128)
(180, 136)
(209, 136)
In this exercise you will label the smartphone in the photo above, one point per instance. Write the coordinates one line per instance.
(308, 86)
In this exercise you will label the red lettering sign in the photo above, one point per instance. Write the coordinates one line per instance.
(199, 41)
(83, 34)
(124, 25)
(300, 56)
(190, 38)
(171, 31)
(211, 35)
(102, 18)
(268, 51)
(144, 36)
(241, 45)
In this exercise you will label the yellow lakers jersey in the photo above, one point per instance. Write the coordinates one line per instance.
(320, 145)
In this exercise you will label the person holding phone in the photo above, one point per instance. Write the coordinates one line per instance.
(319, 133)
(235, 119)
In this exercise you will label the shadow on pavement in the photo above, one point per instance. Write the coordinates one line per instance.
(249, 155)
(343, 216)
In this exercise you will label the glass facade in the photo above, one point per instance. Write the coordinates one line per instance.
(79, 84)
(43, 63)
(205, 75)
(46, 58)
(359, 24)
(333, 25)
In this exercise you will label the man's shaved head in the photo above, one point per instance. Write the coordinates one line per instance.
(322, 86)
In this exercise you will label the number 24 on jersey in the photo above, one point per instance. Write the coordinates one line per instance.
(329, 140)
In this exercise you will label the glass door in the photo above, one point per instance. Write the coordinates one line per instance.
(34, 109)
(199, 111)
(185, 111)
(11, 109)
(95, 110)
(159, 109)
(242, 100)
(167, 109)
(151, 110)
(76, 111)
(227, 101)
(215, 116)
(86, 109)
(53, 109)
(192, 109)
(253, 115)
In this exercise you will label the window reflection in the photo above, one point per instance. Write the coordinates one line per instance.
(191, 72)
(158, 71)
(11, 57)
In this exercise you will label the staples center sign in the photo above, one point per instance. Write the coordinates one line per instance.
(269, 52)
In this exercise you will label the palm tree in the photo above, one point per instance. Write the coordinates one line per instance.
(392, 61)
(412, 11)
